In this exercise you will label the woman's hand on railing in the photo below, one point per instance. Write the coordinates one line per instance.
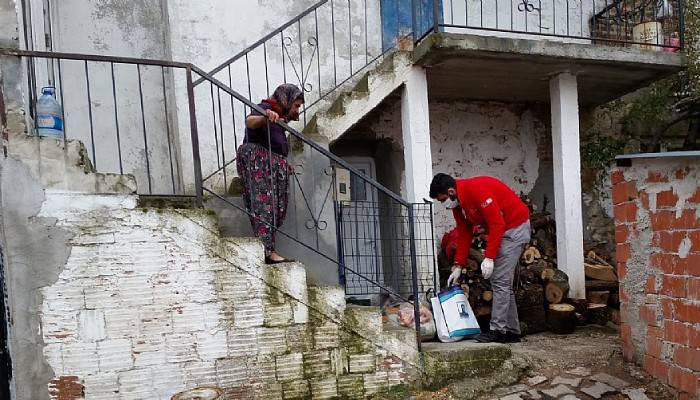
(257, 121)
(272, 116)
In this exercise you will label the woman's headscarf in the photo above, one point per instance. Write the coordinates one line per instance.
(283, 98)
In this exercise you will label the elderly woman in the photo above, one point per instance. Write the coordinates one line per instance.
(262, 165)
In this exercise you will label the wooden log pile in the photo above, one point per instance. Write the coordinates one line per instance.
(542, 288)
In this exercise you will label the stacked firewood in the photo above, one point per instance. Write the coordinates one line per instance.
(541, 288)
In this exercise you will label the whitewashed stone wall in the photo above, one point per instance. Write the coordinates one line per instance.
(495, 139)
(152, 302)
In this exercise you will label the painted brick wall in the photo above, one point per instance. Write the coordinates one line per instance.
(657, 231)
(153, 302)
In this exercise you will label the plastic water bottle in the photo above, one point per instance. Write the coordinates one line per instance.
(49, 114)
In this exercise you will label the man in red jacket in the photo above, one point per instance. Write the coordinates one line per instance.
(488, 202)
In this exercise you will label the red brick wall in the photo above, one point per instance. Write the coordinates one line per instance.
(657, 231)
(66, 388)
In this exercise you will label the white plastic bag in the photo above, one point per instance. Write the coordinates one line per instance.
(454, 318)
(403, 314)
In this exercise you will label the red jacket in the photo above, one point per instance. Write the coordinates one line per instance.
(488, 202)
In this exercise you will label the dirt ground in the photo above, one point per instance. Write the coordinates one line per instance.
(593, 348)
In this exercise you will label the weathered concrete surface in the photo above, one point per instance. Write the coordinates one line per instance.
(508, 372)
(465, 66)
(10, 68)
(445, 362)
(64, 165)
(590, 350)
(36, 251)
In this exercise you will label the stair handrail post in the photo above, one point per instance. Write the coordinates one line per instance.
(436, 19)
(432, 241)
(681, 24)
(414, 272)
(196, 160)
(414, 19)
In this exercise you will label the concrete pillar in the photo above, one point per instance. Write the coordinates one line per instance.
(563, 92)
(415, 128)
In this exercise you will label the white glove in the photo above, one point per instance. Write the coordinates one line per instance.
(487, 268)
(456, 273)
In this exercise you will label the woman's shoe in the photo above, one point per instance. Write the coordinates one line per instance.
(270, 261)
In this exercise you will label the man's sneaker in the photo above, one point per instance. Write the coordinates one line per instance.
(497, 337)
(512, 337)
(491, 337)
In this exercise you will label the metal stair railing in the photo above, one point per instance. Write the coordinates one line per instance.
(135, 117)
(404, 248)
(320, 50)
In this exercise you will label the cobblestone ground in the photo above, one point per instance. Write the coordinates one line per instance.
(585, 365)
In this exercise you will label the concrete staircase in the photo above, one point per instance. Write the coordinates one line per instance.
(344, 350)
(351, 106)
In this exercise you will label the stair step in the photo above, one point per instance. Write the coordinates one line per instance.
(350, 106)
(403, 334)
(328, 301)
(362, 85)
(286, 289)
(232, 221)
(65, 166)
(364, 319)
(244, 247)
(180, 202)
(460, 360)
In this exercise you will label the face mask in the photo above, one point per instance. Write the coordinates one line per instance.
(451, 204)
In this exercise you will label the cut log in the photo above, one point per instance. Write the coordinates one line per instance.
(546, 242)
(483, 311)
(561, 318)
(598, 314)
(531, 255)
(487, 295)
(557, 288)
(541, 221)
(598, 296)
(597, 259)
(530, 295)
(465, 288)
(600, 272)
(472, 265)
(476, 255)
(556, 291)
(542, 271)
(533, 319)
(613, 287)
(526, 275)
(581, 310)
(548, 274)
(580, 305)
